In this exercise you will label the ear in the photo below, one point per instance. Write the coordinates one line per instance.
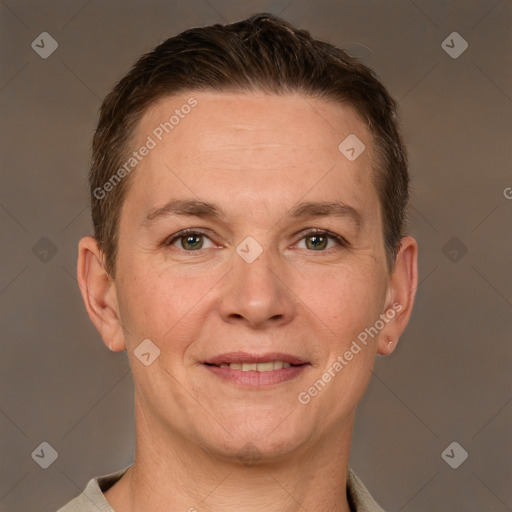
(99, 293)
(400, 295)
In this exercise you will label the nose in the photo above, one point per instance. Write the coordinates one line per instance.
(257, 293)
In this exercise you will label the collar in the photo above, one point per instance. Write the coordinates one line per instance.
(360, 500)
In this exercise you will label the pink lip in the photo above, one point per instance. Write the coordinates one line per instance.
(245, 357)
(255, 379)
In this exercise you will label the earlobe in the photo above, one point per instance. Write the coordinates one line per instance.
(99, 293)
(386, 346)
(400, 295)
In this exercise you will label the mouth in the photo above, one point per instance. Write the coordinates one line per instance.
(260, 370)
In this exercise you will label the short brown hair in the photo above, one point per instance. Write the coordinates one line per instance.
(262, 53)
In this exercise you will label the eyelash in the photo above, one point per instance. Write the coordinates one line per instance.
(341, 241)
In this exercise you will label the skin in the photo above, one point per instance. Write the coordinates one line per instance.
(254, 156)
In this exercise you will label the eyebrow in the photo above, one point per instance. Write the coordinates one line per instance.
(194, 208)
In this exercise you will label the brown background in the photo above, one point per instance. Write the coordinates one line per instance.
(449, 379)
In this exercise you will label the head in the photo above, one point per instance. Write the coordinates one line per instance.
(237, 133)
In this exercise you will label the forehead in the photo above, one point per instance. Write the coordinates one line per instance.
(229, 119)
(258, 146)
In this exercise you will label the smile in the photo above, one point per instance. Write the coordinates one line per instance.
(255, 371)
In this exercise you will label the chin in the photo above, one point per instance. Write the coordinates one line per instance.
(264, 441)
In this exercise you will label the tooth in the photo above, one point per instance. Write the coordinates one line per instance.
(265, 367)
(259, 367)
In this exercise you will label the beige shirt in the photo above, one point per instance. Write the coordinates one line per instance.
(93, 500)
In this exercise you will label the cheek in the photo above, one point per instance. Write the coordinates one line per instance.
(161, 306)
(345, 299)
(352, 306)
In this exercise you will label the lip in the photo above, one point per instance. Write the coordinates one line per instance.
(255, 379)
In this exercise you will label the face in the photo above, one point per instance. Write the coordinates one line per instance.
(281, 268)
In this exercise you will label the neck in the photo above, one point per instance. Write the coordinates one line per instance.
(171, 474)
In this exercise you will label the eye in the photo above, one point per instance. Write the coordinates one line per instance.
(189, 240)
(318, 240)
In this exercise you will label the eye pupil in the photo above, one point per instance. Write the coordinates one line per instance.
(187, 242)
(316, 242)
